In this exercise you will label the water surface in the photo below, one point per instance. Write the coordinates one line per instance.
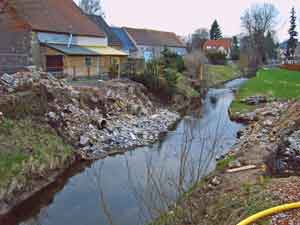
(135, 187)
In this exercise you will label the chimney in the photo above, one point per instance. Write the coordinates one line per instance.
(3, 5)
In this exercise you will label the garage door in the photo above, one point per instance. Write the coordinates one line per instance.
(54, 63)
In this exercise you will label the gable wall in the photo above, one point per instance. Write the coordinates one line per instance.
(15, 42)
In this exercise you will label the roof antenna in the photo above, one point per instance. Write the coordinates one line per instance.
(70, 40)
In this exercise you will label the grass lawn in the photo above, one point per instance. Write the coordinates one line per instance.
(28, 150)
(219, 73)
(274, 83)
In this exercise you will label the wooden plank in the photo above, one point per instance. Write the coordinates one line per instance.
(243, 168)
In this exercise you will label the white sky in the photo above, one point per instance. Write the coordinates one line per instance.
(185, 16)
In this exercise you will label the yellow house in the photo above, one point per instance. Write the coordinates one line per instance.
(56, 36)
(82, 60)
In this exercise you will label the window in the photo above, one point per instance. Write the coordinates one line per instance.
(88, 61)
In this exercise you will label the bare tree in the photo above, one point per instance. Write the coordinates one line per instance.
(198, 38)
(195, 64)
(257, 22)
(92, 7)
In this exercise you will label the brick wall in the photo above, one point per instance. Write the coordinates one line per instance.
(15, 42)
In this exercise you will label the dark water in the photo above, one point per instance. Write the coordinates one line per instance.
(135, 187)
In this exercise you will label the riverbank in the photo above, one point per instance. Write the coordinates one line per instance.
(47, 124)
(259, 172)
(98, 120)
(268, 85)
(217, 75)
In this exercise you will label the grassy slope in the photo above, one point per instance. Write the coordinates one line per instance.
(219, 74)
(278, 83)
(184, 88)
(28, 150)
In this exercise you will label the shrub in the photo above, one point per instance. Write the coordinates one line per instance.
(171, 77)
(217, 58)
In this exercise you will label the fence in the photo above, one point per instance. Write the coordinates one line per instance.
(292, 67)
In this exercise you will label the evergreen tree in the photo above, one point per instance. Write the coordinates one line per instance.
(292, 42)
(235, 51)
(270, 46)
(215, 31)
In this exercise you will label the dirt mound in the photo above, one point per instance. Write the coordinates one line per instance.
(95, 118)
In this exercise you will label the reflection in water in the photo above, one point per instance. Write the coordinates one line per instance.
(136, 187)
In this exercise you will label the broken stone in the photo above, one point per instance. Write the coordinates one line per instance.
(215, 181)
(255, 100)
(294, 141)
(84, 141)
(235, 164)
(7, 79)
(268, 123)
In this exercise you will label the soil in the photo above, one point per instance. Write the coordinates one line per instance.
(225, 198)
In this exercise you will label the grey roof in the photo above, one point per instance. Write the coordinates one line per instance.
(74, 50)
(113, 39)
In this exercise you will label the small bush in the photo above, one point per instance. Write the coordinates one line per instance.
(217, 58)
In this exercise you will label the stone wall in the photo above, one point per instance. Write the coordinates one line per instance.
(15, 42)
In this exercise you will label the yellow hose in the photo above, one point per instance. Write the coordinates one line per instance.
(269, 212)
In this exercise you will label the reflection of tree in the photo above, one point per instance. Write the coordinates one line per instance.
(165, 175)
(96, 175)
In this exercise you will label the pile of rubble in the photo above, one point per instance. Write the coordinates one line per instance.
(97, 119)
(273, 109)
(255, 100)
(276, 137)
(20, 80)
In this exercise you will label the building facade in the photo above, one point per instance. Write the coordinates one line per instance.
(150, 43)
(53, 35)
(223, 45)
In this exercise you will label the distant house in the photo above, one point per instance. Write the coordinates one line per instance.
(223, 45)
(113, 39)
(54, 35)
(282, 52)
(150, 43)
(127, 43)
(297, 53)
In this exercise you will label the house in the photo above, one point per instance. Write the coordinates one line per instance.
(297, 53)
(127, 43)
(150, 43)
(283, 50)
(54, 35)
(223, 45)
(113, 39)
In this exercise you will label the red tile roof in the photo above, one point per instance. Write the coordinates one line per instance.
(60, 16)
(154, 37)
(224, 42)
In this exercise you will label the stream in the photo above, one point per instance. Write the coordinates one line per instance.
(134, 188)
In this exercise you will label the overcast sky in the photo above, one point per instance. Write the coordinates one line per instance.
(185, 16)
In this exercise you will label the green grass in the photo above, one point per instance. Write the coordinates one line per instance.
(222, 164)
(27, 150)
(219, 73)
(186, 89)
(273, 83)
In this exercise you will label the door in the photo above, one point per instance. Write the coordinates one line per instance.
(54, 63)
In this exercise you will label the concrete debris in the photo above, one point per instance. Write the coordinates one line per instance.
(96, 119)
(234, 164)
(216, 181)
(21, 80)
(294, 141)
(276, 135)
(255, 100)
